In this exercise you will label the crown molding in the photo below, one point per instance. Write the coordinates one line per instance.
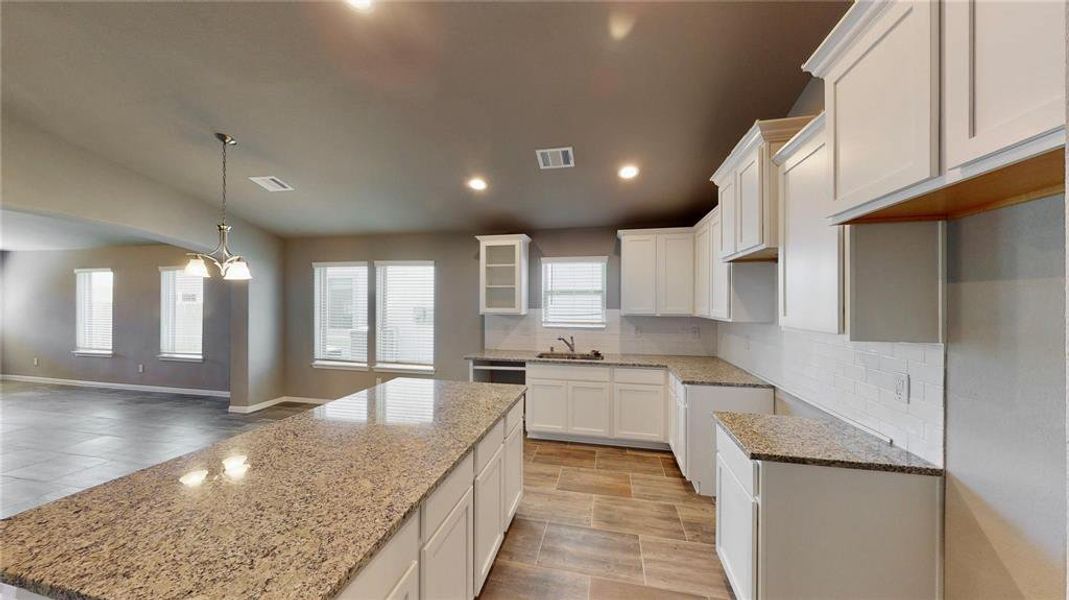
(844, 34)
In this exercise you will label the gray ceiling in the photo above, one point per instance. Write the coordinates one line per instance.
(25, 231)
(377, 119)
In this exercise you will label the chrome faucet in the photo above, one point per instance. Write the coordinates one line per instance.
(570, 342)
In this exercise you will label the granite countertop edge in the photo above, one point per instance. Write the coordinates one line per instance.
(655, 361)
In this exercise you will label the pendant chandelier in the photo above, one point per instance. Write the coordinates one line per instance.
(231, 266)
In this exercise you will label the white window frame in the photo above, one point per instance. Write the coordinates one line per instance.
(327, 363)
(78, 319)
(403, 367)
(178, 356)
(546, 262)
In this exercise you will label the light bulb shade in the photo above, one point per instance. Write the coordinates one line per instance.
(238, 270)
(197, 267)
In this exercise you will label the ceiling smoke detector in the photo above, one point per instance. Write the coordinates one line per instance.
(556, 158)
(272, 183)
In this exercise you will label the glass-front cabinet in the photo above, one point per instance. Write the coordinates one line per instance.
(503, 274)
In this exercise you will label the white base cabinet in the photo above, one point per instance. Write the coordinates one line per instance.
(448, 557)
(804, 531)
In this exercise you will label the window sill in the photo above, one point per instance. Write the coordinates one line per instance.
(396, 368)
(190, 358)
(96, 353)
(574, 325)
(339, 365)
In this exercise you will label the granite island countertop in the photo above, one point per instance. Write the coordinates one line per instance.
(691, 370)
(830, 442)
(323, 491)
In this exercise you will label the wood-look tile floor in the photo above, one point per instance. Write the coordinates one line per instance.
(606, 523)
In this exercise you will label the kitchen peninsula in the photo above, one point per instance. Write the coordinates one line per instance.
(379, 492)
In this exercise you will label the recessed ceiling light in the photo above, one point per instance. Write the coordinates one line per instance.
(477, 183)
(628, 172)
(360, 5)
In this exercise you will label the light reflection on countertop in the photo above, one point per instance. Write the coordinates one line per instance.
(289, 510)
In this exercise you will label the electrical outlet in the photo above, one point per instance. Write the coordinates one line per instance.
(902, 387)
(36, 362)
(140, 368)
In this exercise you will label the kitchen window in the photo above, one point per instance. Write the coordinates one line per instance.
(93, 299)
(573, 291)
(341, 315)
(404, 316)
(181, 315)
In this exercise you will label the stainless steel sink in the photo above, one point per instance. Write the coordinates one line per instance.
(595, 355)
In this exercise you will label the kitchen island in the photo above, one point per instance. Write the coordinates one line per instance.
(296, 509)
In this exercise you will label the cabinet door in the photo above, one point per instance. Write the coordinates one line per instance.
(638, 412)
(811, 251)
(638, 275)
(736, 525)
(447, 560)
(720, 275)
(513, 474)
(703, 265)
(675, 255)
(680, 447)
(881, 99)
(726, 201)
(673, 423)
(749, 215)
(589, 409)
(489, 511)
(1004, 74)
(547, 402)
(408, 587)
(500, 278)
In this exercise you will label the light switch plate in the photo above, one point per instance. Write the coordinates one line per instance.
(902, 387)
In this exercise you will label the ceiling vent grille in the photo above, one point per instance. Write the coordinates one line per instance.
(556, 158)
(272, 183)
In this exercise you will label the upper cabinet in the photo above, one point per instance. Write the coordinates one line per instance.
(657, 271)
(743, 292)
(746, 182)
(895, 154)
(503, 274)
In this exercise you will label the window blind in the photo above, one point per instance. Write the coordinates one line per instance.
(181, 312)
(341, 312)
(573, 291)
(93, 310)
(404, 333)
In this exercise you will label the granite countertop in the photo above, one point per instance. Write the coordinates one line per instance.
(691, 370)
(832, 443)
(323, 491)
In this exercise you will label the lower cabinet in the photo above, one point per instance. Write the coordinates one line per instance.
(678, 440)
(589, 408)
(700, 402)
(489, 508)
(394, 571)
(447, 559)
(408, 587)
(639, 412)
(513, 473)
(547, 405)
(736, 531)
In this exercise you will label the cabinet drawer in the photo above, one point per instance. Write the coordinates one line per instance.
(392, 565)
(640, 376)
(490, 444)
(568, 372)
(442, 500)
(514, 416)
(744, 469)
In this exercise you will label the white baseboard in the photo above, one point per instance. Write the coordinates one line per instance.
(587, 439)
(118, 386)
(267, 403)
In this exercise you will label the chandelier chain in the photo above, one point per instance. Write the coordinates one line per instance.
(224, 182)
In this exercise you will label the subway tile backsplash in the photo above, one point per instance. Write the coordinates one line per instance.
(621, 335)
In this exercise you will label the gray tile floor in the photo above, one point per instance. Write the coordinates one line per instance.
(57, 440)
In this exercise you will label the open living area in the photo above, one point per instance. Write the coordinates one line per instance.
(372, 299)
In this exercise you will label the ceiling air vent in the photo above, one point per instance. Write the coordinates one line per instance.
(272, 184)
(555, 158)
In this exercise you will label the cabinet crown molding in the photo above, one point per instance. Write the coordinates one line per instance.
(811, 130)
(709, 216)
(508, 237)
(662, 231)
(844, 34)
(766, 130)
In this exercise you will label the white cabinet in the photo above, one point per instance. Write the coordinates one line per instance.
(393, 572)
(447, 560)
(811, 250)
(742, 292)
(677, 439)
(408, 587)
(503, 274)
(639, 412)
(880, 69)
(736, 532)
(703, 268)
(657, 271)
(747, 191)
(489, 511)
(638, 274)
(589, 408)
(547, 404)
(513, 473)
(1003, 77)
(699, 437)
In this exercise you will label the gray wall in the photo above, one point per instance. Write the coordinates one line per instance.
(1005, 385)
(39, 319)
(47, 175)
(575, 242)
